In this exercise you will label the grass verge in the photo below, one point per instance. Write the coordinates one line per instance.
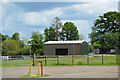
(32, 76)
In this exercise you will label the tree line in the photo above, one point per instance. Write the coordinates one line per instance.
(57, 32)
(104, 34)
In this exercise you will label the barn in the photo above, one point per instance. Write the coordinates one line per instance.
(66, 47)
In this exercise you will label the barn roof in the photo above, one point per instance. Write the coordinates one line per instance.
(64, 42)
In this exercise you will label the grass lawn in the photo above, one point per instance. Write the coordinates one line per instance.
(111, 61)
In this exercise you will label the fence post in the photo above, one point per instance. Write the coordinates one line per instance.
(33, 59)
(45, 59)
(87, 59)
(58, 59)
(102, 59)
(72, 59)
(116, 59)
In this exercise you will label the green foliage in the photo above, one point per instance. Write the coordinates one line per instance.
(15, 36)
(96, 45)
(36, 43)
(46, 33)
(21, 43)
(110, 40)
(106, 30)
(25, 50)
(91, 48)
(3, 37)
(108, 22)
(52, 33)
(10, 47)
(49, 34)
(69, 32)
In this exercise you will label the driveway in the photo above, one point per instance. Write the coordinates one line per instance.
(65, 71)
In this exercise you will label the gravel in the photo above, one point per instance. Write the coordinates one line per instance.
(64, 71)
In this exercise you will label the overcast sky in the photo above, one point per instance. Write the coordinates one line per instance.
(26, 17)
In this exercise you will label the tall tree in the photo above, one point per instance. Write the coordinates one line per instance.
(69, 32)
(46, 33)
(110, 21)
(36, 43)
(106, 25)
(56, 24)
(15, 36)
(49, 34)
(52, 34)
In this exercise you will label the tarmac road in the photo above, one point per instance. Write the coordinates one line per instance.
(64, 71)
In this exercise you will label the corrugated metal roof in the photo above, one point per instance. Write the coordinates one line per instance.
(64, 42)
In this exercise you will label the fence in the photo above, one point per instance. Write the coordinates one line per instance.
(17, 57)
(86, 59)
(4, 57)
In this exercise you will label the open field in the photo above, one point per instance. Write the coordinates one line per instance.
(64, 71)
(63, 61)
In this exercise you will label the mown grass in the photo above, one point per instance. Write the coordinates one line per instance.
(14, 63)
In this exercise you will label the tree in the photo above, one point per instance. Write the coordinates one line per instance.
(36, 43)
(15, 36)
(96, 45)
(21, 43)
(69, 32)
(57, 24)
(49, 34)
(25, 41)
(110, 40)
(107, 24)
(3, 37)
(25, 50)
(91, 48)
(46, 33)
(10, 47)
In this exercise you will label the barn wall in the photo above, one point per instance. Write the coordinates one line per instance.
(50, 49)
(84, 48)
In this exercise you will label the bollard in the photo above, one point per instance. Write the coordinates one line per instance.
(42, 69)
(40, 66)
(30, 69)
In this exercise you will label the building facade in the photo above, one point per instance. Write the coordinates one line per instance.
(66, 47)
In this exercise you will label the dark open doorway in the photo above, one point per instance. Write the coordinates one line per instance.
(61, 51)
